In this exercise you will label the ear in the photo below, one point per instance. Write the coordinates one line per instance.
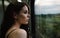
(15, 16)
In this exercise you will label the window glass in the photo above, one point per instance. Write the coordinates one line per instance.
(47, 13)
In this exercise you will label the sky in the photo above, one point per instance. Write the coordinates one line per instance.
(47, 6)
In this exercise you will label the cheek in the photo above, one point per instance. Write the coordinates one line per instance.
(23, 19)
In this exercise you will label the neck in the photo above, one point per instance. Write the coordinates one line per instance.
(16, 25)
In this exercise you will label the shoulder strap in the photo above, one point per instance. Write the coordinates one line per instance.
(10, 32)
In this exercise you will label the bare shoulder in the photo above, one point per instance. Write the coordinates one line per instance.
(19, 33)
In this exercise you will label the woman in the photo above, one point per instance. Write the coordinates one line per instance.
(16, 14)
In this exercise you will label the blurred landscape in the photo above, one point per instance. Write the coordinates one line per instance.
(47, 14)
(48, 26)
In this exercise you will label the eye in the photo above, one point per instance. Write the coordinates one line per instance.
(25, 12)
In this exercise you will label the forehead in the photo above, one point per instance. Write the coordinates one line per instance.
(25, 8)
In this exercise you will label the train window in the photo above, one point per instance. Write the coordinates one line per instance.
(45, 17)
(47, 13)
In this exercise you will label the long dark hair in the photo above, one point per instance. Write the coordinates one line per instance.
(8, 19)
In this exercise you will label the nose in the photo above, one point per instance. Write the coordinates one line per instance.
(28, 15)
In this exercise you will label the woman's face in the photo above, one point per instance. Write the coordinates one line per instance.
(23, 16)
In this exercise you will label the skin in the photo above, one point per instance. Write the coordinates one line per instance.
(21, 18)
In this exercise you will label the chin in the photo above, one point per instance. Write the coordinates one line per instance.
(26, 23)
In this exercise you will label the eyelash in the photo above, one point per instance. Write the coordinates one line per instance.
(25, 12)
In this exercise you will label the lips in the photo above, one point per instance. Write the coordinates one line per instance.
(27, 19)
